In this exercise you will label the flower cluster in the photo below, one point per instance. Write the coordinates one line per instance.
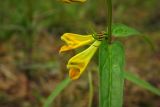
(78, 63)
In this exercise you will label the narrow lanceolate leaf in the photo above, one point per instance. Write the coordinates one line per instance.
(111, 65)
(56, 92)
(148, 40)
(121, 30)
(136, 80)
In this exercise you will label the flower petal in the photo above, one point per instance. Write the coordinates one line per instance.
(70, 1)
(78, 63)
(74, 73)
(75, 40)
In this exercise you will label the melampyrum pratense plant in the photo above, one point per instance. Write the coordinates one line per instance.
(111, 62)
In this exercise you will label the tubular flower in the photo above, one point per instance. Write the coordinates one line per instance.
(75, 40)
(78, 63)
(70, 1)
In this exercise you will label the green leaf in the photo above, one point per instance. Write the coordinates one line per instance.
(56, 92)
(144, 84)
(121, 30)
(111, 65)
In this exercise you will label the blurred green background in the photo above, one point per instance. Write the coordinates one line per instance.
(31, 66)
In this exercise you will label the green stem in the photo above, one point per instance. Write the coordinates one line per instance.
(109, 20)
(90, 89)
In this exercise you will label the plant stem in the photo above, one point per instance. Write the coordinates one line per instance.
(91, 91)
(109, 20)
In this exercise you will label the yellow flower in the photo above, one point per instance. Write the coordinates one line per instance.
(75, 40)
(78, 63)
(70, 1)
